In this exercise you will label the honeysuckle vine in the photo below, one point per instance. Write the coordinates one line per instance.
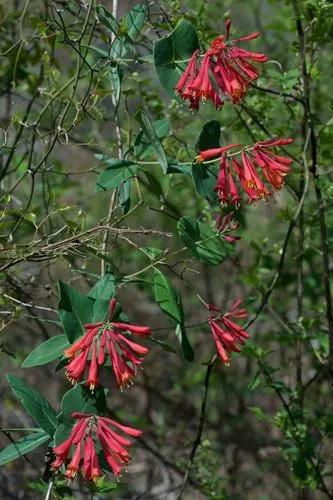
(100, 352)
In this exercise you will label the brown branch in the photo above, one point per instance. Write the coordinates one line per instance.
(53, 250)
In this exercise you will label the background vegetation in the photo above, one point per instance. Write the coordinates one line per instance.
(269, 416)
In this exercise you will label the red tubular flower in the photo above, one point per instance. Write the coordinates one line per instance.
(274, 167)
(106, 339)
(226, 187)
(84, 457)
(227, 334)
(252, 183)
(209, 154)
(225, 70)
(188, 77)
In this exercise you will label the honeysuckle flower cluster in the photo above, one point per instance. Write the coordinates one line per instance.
(223, 71)
(241, 169)
(227, 334)
(106, 340)
(89, 431)
(101, 341)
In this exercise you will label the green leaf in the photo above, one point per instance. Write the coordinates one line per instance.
(184, 342)
(99, 51)
(116, 75)
(105, 288)
(151, 136)
(176, 167)
(47, 351)
(75, 309)
(254, 382)
(130, 27)
(153, 253)
(170, 302)
(205, 176)
(153, 185)
(114, 162)
(124, 196)
(205, 243)
(142, 146)
(169, 51)
(135, 19)
(209, 136)
(167, 297)
(166, 347)
(81, 400)
(23, 446)
(35, 404)
(300, 467)
(107, 19)
(103, 486)
(113, 177)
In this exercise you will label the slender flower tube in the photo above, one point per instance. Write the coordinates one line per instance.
(86, 433)
(209, 154)
(102, 340)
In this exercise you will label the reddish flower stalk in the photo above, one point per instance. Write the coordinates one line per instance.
(88, 430)
(227, 334)
(102, 340)
(244, 171)
(224, 71)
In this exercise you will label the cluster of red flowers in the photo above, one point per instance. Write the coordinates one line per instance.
(82, 441)
(245, 169)
(106, 339)
(227, 334)
(88, 354)
(223, 71)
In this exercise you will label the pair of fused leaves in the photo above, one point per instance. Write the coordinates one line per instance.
(203, 241)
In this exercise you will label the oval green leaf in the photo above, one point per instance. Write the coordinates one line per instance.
(23, 446)
(172, 52)
(35, 404)
(47, 351)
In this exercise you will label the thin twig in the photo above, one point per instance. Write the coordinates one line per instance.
(197, 440)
